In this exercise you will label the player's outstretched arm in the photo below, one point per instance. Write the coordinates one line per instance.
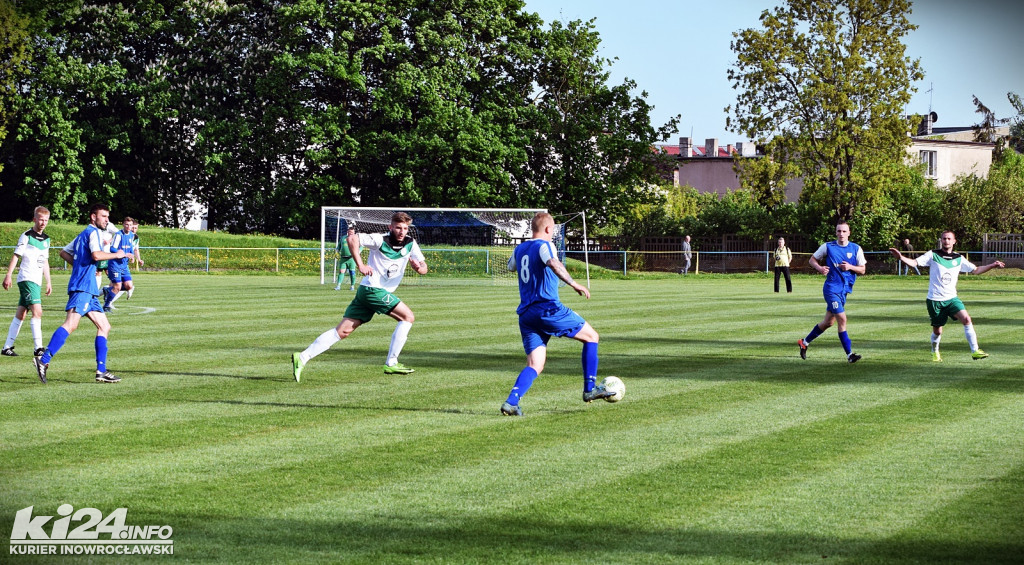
(990, 266)
(560, 271)
(419, 266)
(905, 260)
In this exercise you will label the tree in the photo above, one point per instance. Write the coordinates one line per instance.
(825, 82)
(985, 131)
(1016, 138)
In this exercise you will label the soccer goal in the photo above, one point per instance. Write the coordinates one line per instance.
(460, 244)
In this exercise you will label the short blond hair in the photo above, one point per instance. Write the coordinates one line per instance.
(540, 219)
(40, 210)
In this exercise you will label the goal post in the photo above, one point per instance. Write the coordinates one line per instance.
(460, 244)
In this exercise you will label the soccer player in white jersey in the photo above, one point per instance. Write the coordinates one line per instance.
(106, 236)
(944, 268)
(382, 273)
(34, 251)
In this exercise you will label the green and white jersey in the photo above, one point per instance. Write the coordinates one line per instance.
(388, 259)
(34, 250)
(944, 270)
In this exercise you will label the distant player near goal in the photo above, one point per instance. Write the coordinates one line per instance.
(346, 264)
(944, 268)
(383, 272)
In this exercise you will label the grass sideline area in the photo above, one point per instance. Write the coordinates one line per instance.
(728, 448)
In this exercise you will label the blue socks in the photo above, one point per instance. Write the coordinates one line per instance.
(589, 366)
(101, 354)
(815, 332)
(523, 382)
(56, 342)
(528, 375)
(845, 340)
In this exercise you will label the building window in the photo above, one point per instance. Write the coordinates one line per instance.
(928, 159)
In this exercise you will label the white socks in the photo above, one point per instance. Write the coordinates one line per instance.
(116, 296)
(37, 331)
(321, 344)
(935, 342)
(12, 333)
(972, 338)
(398, 342)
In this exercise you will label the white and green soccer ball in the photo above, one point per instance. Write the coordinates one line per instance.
(614, 384)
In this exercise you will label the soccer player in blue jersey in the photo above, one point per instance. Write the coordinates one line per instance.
(542, 314)
(117, 269)
(843, 261)
(83, 253)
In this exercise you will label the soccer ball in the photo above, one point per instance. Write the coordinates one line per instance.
(615, 385)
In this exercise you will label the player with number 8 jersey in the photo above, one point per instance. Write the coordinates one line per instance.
(542, 314)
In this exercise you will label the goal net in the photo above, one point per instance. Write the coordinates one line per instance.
(460, 244)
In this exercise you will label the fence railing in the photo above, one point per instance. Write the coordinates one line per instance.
(455, 263)
(879, 262)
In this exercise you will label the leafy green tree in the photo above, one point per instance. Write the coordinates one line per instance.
(826, 81)
(975, 206)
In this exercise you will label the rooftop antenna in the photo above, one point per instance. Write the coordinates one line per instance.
(930, 91)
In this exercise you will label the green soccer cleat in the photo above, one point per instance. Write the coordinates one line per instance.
(297, 365)
(397, 369)
(978, 354)
(936, 357)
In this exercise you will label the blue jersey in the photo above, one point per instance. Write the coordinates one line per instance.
(537, 283)
(125, 242)
(83, 268)
(837, 281)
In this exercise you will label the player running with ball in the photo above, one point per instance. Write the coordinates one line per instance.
(383, 271)
(542, 314)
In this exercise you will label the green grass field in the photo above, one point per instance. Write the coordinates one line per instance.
(728, 448)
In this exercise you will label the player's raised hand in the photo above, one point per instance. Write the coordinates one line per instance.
(365, 269)
(895, 253)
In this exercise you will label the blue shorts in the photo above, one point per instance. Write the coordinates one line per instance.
(835, 302)
(83, 303)
(118, 275)
(538, 323)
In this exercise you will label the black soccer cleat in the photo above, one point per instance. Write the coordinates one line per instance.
(803, 348)
(40, 368)
(852, 358)
(8, 352)
(39, 351)
(106, 377)
(598, 393)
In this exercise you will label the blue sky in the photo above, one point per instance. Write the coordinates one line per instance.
(678, 51)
